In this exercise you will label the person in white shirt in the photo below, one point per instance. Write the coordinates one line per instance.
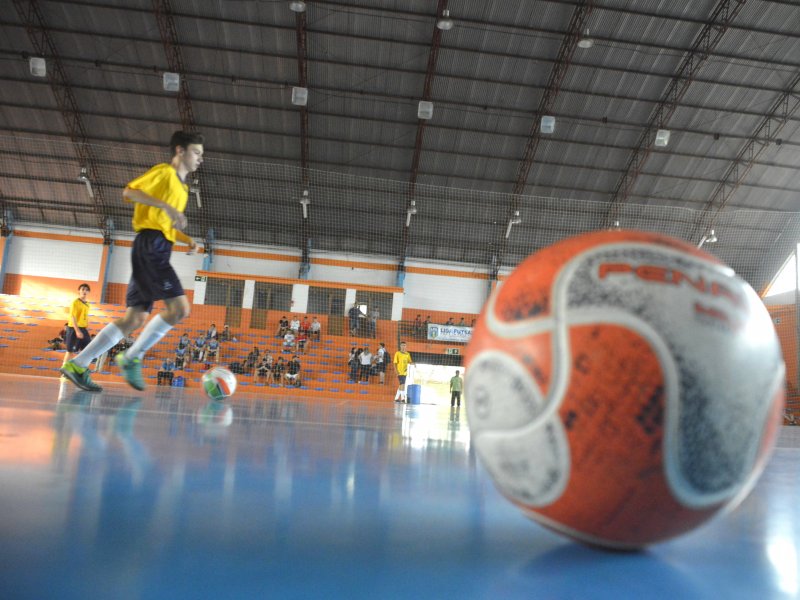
(288, 342)
(295, 324)
(316, 328)
(366, 363)
(380, 362)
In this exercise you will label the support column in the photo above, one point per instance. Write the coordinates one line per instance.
(6, 235)
(208, 250)
(105, 261)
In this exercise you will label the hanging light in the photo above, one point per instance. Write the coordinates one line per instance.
(445, 23)
(305, 201)
(297, 6)
(585, 41)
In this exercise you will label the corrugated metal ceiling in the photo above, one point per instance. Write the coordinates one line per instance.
(366, 68)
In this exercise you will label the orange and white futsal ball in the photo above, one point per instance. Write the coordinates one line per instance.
(623, 387)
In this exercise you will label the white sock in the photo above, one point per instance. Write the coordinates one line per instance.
(102, 342)
(152, 333)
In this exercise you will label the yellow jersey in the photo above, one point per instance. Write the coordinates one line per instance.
(162, 183)
(401, 362)
(80, 310)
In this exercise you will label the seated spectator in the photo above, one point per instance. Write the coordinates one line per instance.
(199, 352)
(226, 335)
(450, 321)
(365, 363)
(277, 370)
(251, 360)
(289, 342)
(302, 337)
(294, 325)
(180, 356)
(184, 340)
(212, 332)
(315, 329)
(166, 373)
(265, 367)
(473, 323)
(462, 322)
(293, 372)
(283, 327)
(213, 350)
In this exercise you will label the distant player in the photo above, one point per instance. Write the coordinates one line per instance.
(160, 197)
(77, 335)
(402, 358)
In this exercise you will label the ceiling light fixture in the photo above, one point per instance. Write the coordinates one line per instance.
(84, 177)
(445, 23)
(195, 189)
(585, 41)
(305, 201)
(515, 220)
(424, 110)
(662, 137)
(38, 66)
(548, 124)
(299, 96)
(297, 6)
(709, 238)
(411, 210)
(171, 82)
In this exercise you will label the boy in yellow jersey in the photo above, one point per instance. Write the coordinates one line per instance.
(159, 198)
(77, 336)
(402, 358)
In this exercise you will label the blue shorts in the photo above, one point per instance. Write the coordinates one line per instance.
(401, 379)
(74, 343)
(153, 278)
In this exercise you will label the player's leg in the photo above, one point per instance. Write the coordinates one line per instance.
(76, 370)
(130, 361)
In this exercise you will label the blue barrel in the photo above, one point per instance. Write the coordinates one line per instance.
(414, 393)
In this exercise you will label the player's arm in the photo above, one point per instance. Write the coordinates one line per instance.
(140, 197)
(182, 237)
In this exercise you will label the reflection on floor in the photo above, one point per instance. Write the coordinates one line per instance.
(163, 494)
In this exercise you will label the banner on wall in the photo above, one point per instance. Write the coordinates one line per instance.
(449, 333)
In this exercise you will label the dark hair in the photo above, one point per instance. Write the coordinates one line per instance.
(84, 285)
(183, 139)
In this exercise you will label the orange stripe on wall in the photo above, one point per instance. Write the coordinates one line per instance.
(446, 273)
(334, 262)
(257, 255)
(308, 282)
(58, 236)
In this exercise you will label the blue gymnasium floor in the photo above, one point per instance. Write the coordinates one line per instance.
(127, 495)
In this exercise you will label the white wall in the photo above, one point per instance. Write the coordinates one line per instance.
(61, 259)
(255, 266)
(55, 258)
(352, 275)
(435, 292)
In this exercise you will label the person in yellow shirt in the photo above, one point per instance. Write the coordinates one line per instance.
(402, 358)
(77, 336)
(159, 197)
